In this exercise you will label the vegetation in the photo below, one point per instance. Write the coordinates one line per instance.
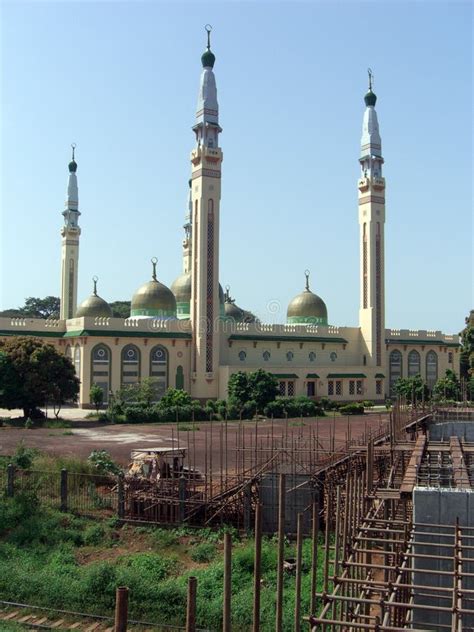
(447, 387)
(33, 373)
(47, 307)
(59, 560)
(120, 309)
(413, 389)
(467, 355)
(96, 396)
(352, 409)
(256, 389)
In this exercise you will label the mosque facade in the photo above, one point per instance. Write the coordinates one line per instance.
(194, 336)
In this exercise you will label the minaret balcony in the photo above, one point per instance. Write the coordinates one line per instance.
(196, 155)
(378, 184)
(363, 184)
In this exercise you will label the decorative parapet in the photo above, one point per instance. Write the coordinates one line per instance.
(420, 336)
(262, 328)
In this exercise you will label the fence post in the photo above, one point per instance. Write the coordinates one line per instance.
(226, 627)
(63, 490)
(121, 497)
(182, 498)
(257, 571)
(10, 480)
(281, 553)
(121, 609)
(191, 605)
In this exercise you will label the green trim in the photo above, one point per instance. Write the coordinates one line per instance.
(127, 334)
(433, 343)
(312, 375)
(380, 375)
(343, 375)
(38, 334)
(155, 313)
(307, 320)
(286, 375)
(264, 338)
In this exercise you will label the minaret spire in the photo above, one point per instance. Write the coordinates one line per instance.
(70, 233)
(206, 159)
(371, 187)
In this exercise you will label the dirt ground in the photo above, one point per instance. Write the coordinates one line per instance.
(85, 436)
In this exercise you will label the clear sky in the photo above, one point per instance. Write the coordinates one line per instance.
(121, 81)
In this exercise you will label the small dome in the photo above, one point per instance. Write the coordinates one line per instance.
(154, 299)
(208, 59)
(307, 308)
(233, 311)
(94, 306)
(72, 166)
(181, 288)
(370, 98)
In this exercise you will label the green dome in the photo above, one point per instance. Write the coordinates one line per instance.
(72, 166)
(370, 98)
(307, 308)
(94, 306)
(208, 59)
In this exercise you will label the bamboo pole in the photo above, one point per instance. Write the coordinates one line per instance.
(191, 605)
(257, 571)
(299, 552)
(281, 554)
(226, 618)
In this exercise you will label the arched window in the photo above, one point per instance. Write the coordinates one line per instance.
(431, 368)
(395, 368)
(100, 373)
(130, 365)
(159, 370)
(242, 356)
(266, 355)
(333, 356)
(77, 360)
(312, 356)
(290, 355)
(414, 363)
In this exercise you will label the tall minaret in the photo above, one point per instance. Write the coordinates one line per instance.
(70, 245)
(206, 159)
(371, 221)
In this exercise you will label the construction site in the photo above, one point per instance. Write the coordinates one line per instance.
(389, 512)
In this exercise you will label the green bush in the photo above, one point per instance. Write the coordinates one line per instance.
(328, 404)
(103, 462)
(204, 552)
(24, 457)
(352, 409)
(368, 403)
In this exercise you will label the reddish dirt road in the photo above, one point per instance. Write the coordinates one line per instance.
(119, 440)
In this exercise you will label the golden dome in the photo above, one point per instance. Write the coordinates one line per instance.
(154, 299)
(181, 288)
(94, 306)
(307, 308)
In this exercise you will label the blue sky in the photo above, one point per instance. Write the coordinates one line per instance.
(121, 80)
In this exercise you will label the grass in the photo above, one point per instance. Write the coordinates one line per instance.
(183, 426)
(58, 560)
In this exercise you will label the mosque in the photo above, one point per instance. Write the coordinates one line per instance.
(193, 335)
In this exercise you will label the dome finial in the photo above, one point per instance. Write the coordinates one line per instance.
(306, 273)
(73, 163)
(154, 261)
(370, 97)
(208, 58)
(95, 279)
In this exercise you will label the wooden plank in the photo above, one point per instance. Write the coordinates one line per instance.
(57, 624)
(10, 615)
(409, 479)
(93, 627)
(75, 626)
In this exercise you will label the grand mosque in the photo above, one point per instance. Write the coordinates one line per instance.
(193, 336)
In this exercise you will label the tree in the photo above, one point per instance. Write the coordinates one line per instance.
(47, 307)
(96, 396)
(447, 387)
(413, 389)
(33, 373)
(467, 353)
(175, 397)
(258, 386)
(120, 309)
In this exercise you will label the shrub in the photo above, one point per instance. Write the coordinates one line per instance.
(204, 552)
(94, 535)
(368, 403)
(24, 457)
(328, 404)
(352, 409)
(103, 462)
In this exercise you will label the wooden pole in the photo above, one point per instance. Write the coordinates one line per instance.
(257, 568)
(281, 554)
(299, 553)
(191, 605)
(121, 609)
(314, 557)
(227, 582)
